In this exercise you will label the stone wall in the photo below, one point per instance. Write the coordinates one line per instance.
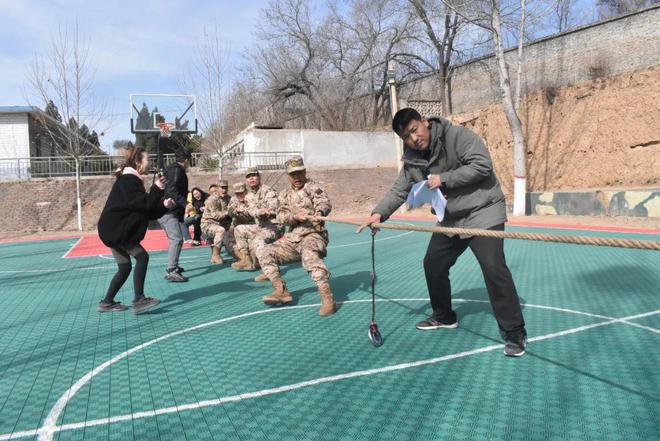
(604, 49)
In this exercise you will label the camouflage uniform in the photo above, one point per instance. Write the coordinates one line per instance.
(306, 241)
(216, 220)
(251, 238)
(240, 215)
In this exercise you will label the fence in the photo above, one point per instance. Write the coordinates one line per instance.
(236, 161)
(62, 166)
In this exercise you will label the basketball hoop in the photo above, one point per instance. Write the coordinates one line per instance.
(165, 129)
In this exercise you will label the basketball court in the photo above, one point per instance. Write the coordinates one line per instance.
(212, 362)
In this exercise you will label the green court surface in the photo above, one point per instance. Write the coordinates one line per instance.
(213, 363)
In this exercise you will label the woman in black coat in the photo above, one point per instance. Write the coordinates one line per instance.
(123, 225)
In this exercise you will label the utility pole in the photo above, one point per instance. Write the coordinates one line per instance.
(394, 107)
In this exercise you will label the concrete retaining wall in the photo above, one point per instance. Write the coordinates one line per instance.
(638, 203)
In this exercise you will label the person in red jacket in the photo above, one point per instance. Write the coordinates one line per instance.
(123, 225)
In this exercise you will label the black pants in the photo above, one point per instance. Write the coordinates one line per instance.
(442, 253)
(196, 222)
(122, 255)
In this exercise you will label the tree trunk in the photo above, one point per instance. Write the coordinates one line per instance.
(520, 174)
(521, 43)
(78, 200)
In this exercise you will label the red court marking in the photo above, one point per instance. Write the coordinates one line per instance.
(88, 246)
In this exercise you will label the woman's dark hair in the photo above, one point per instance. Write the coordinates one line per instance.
(403, 118)
(199, 190)
(132, 160)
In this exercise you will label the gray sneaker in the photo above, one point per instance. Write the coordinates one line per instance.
(175, 276)
(514, 345)
(143, 304)
(105, 306)
(433, 323)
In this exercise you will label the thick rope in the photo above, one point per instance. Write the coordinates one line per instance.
(543, 237)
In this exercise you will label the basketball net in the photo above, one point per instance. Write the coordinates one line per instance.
(165, 129)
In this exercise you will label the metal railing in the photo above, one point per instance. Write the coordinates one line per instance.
(63, 166)
(235, 162)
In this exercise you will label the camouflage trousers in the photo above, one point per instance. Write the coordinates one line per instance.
(310, 249)
(217, 232)
(230, 241)
(251, 238)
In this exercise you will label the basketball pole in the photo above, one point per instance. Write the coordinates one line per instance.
(394, 107)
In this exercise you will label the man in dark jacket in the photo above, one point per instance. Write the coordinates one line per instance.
(176, 189)
(456, 160)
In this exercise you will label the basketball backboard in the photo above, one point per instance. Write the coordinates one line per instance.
(148, 110)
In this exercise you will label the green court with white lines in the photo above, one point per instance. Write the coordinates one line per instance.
(211, 362)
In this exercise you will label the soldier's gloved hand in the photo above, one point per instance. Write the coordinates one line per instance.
(300, 217)
(315, 217)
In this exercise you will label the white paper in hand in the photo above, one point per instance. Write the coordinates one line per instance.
(421, 194)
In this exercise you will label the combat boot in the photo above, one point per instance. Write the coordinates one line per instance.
(279, 296)
(261, 278)
(328, 304)
(215, 256)
(244, 261)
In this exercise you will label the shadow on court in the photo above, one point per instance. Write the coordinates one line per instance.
(610, 279)
(462, 309)
(342, 287)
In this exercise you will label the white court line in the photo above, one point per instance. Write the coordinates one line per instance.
(109, 257)
(50, 426)
(377, 240)
(72, 247)
(59, 270)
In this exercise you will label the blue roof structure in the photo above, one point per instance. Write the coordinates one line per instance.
(19, 109)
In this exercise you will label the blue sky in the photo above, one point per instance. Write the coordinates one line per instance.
(123, 37)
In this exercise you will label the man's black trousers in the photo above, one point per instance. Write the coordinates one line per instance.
(442, 253)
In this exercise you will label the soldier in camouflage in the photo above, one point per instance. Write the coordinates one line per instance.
(307, 239)
(216, 220)
(262, 202)
(239, 211)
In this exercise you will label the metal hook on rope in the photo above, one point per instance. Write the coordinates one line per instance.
(374, 334)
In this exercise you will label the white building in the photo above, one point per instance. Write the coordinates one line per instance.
(268, 148)
(18, 130)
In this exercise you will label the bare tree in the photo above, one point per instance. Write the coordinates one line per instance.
(441, 24)
(562, 14)
(208, 77)
(487, 14)
(613, 8)
(521, 44)
(332, 61)
(64, 79)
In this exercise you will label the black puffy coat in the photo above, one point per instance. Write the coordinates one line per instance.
(127, 211)
(177, 189)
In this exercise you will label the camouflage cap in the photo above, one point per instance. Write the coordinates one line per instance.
(294, 164)
(239, 188)
(223, 183)
(251, 171)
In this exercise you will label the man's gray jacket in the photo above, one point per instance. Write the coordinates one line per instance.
(459, 156)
